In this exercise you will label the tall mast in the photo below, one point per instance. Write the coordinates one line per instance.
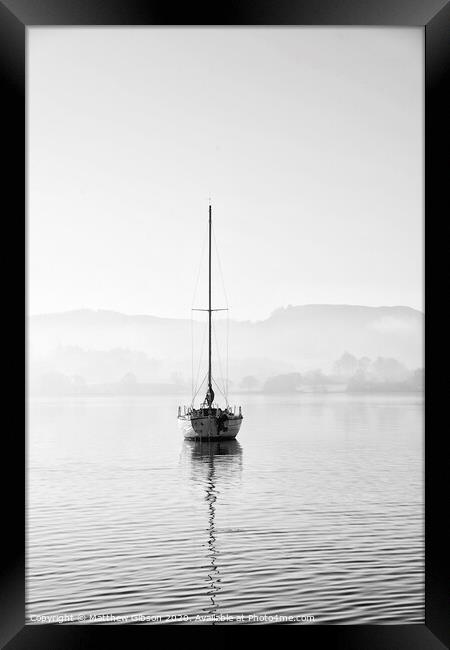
(209, 309)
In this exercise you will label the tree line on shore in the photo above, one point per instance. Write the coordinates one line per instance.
(348, 374)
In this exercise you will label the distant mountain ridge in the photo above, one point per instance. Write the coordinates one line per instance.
(85, 313)
(296, 337)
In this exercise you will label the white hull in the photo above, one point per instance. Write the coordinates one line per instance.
(208, 427)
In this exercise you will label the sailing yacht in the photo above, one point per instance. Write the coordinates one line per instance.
(209, 421)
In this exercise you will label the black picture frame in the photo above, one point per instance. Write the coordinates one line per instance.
(434, 16)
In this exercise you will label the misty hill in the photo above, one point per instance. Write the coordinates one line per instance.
(293, 338)
(316, 334)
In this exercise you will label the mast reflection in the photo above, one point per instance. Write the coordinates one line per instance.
(214, 465)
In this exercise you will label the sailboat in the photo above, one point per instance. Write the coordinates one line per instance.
(209, 421)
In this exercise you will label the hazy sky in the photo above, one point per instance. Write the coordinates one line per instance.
(308, 140)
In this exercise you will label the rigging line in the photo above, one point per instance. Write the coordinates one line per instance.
(192, 355)
(227, 362)
(201, 358)
(217, 351)
(219, 359)
(220, 391)
(220, 266)
(228, 315)
(199, 267)
(225, 377)
(193, 386)
(198, 390)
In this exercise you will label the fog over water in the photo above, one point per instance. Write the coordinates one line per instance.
(324, 347)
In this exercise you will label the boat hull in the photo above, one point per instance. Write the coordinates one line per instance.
(209, 427)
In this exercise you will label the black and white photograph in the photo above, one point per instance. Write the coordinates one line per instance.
(225, 326)
(225, 322)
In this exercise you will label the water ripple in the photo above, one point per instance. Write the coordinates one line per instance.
(319, 513)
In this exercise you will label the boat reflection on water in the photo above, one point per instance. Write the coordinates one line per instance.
(215, 466)
(203, 450)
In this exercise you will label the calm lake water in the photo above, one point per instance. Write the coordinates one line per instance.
(315, 511)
